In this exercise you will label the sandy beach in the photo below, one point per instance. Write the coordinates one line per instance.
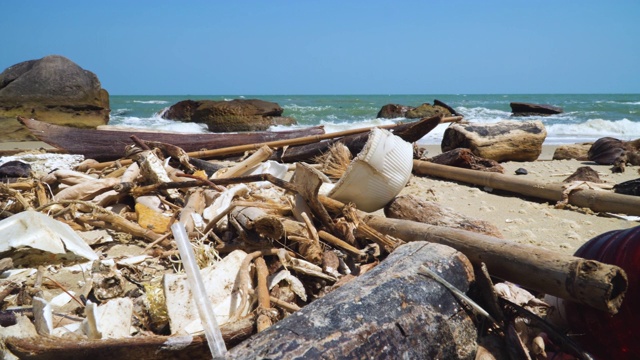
(519, 219)
(528, 221)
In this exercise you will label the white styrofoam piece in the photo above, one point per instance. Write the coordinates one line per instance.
(218, 279)
(36, 230)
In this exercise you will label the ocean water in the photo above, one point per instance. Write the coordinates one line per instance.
(586, 117)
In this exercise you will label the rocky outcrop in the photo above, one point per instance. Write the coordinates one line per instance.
(426, 110)
(526, 109)
(392, 111)
(53, 89)
(229, 116)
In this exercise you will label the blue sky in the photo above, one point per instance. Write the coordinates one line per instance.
(334, 47)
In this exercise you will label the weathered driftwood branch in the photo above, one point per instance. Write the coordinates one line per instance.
(601, 201)
(380, 314)
(412, 208)
(134, 348)
(264, 301)
(589, 282)
(262, 154)
(596, 284)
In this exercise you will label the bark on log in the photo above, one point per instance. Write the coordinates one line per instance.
(412, 208)
(502, 141)
(380, 315)
(596, 200)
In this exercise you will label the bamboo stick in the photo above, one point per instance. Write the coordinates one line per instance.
(272, 144)
(599, 201)
(589, 282)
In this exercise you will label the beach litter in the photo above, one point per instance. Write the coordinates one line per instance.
(282, 255)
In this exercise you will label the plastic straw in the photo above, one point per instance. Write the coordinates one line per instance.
(207, 316)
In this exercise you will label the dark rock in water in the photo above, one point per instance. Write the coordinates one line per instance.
(229, 116)
(392, 111)
(606, 150)
(14, 169)
(584, 173)
(53, 89)
(527, 109)
(427, 110)
(521, 171)
(631, 187)
(439, 108)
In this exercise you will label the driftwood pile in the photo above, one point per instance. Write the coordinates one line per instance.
(305, 274)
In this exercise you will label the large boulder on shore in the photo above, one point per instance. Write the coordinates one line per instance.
(229, 116)
(53, 89)
(527, 109)
(501, 141)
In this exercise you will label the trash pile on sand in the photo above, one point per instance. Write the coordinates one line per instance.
(162, 256)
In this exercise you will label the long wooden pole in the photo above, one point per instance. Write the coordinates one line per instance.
(596, 200)
(272, 144)
(589, 282)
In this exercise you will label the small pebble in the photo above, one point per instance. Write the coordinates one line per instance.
(521, 171)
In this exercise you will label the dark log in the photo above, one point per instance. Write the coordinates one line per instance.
(630, 187)
(104, 145)
(410, 132)
(464, 158)
(527, 109)
(437, 102)
(409, 207)
(502, 141)
(390, 312)
(135, 348)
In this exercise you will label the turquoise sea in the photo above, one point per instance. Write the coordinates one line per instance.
(586, 117)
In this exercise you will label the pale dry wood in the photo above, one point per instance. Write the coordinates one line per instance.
(195, 205)
(262, 154)
(134, 348)
(264, 301)
(341, 244)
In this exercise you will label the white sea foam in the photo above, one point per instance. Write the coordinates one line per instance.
(151, 101)
(592, 130)
(156, 122)
(306, 109)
